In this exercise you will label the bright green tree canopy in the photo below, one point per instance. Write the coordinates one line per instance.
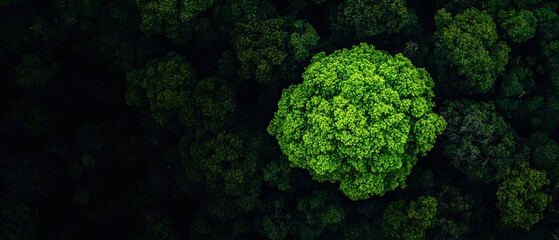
(360, 117)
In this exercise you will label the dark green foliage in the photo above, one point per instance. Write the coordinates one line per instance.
(18, 222)
(545, 154)
(275, 224)
(234, 11)
(364, 19)
(261, 48)
(74, 11)
(173, 18)
(34, 71)
(517, 82)
(4, 3)
(468, 44)
(277, 174)
(158, 229)
(478, 142)
(349, 125)
(551, 53)
(296, 6)
(214, 102)
(528, 97)
(321, 211)
(548, 18)
(312, 216)
(269, 49)
(454, 214)
(303, 39)
(520, 196)
(169, 87)
(164, 85)
(149, 119)
(227, 166)
(29, 178)
(409, 221)
(519, 25)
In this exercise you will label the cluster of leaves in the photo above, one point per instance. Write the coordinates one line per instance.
(469, 43)
(520, 197)
(267, 48)
(409, 221)
(164, 83)
(478, 142)
(173, 18)
(364, 19)
(360, 118)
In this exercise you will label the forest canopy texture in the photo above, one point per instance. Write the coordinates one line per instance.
(279, 119)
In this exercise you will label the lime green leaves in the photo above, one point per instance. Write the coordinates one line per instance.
(360, 118)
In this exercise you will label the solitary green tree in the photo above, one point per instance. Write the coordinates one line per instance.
(360, 117)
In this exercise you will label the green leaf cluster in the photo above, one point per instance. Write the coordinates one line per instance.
(303, 39)
(227, 166)
(409, 221)
(261, 48)
(520, 196)
(469, 43)
(171, 17)
(360, 117)
(520, 25)
(363, 19)
(169, 87)
(164, 83)
(478, 142)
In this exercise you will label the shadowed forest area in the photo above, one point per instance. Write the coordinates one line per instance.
(279, 119)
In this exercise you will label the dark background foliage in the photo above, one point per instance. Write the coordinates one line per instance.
(135, 119)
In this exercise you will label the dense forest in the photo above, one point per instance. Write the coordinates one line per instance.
(279, 119)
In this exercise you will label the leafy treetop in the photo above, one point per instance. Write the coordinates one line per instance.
(360, 117)
(409, 222)
(469, 42)
(520, 197)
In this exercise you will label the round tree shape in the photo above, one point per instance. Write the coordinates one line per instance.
(360, 117)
